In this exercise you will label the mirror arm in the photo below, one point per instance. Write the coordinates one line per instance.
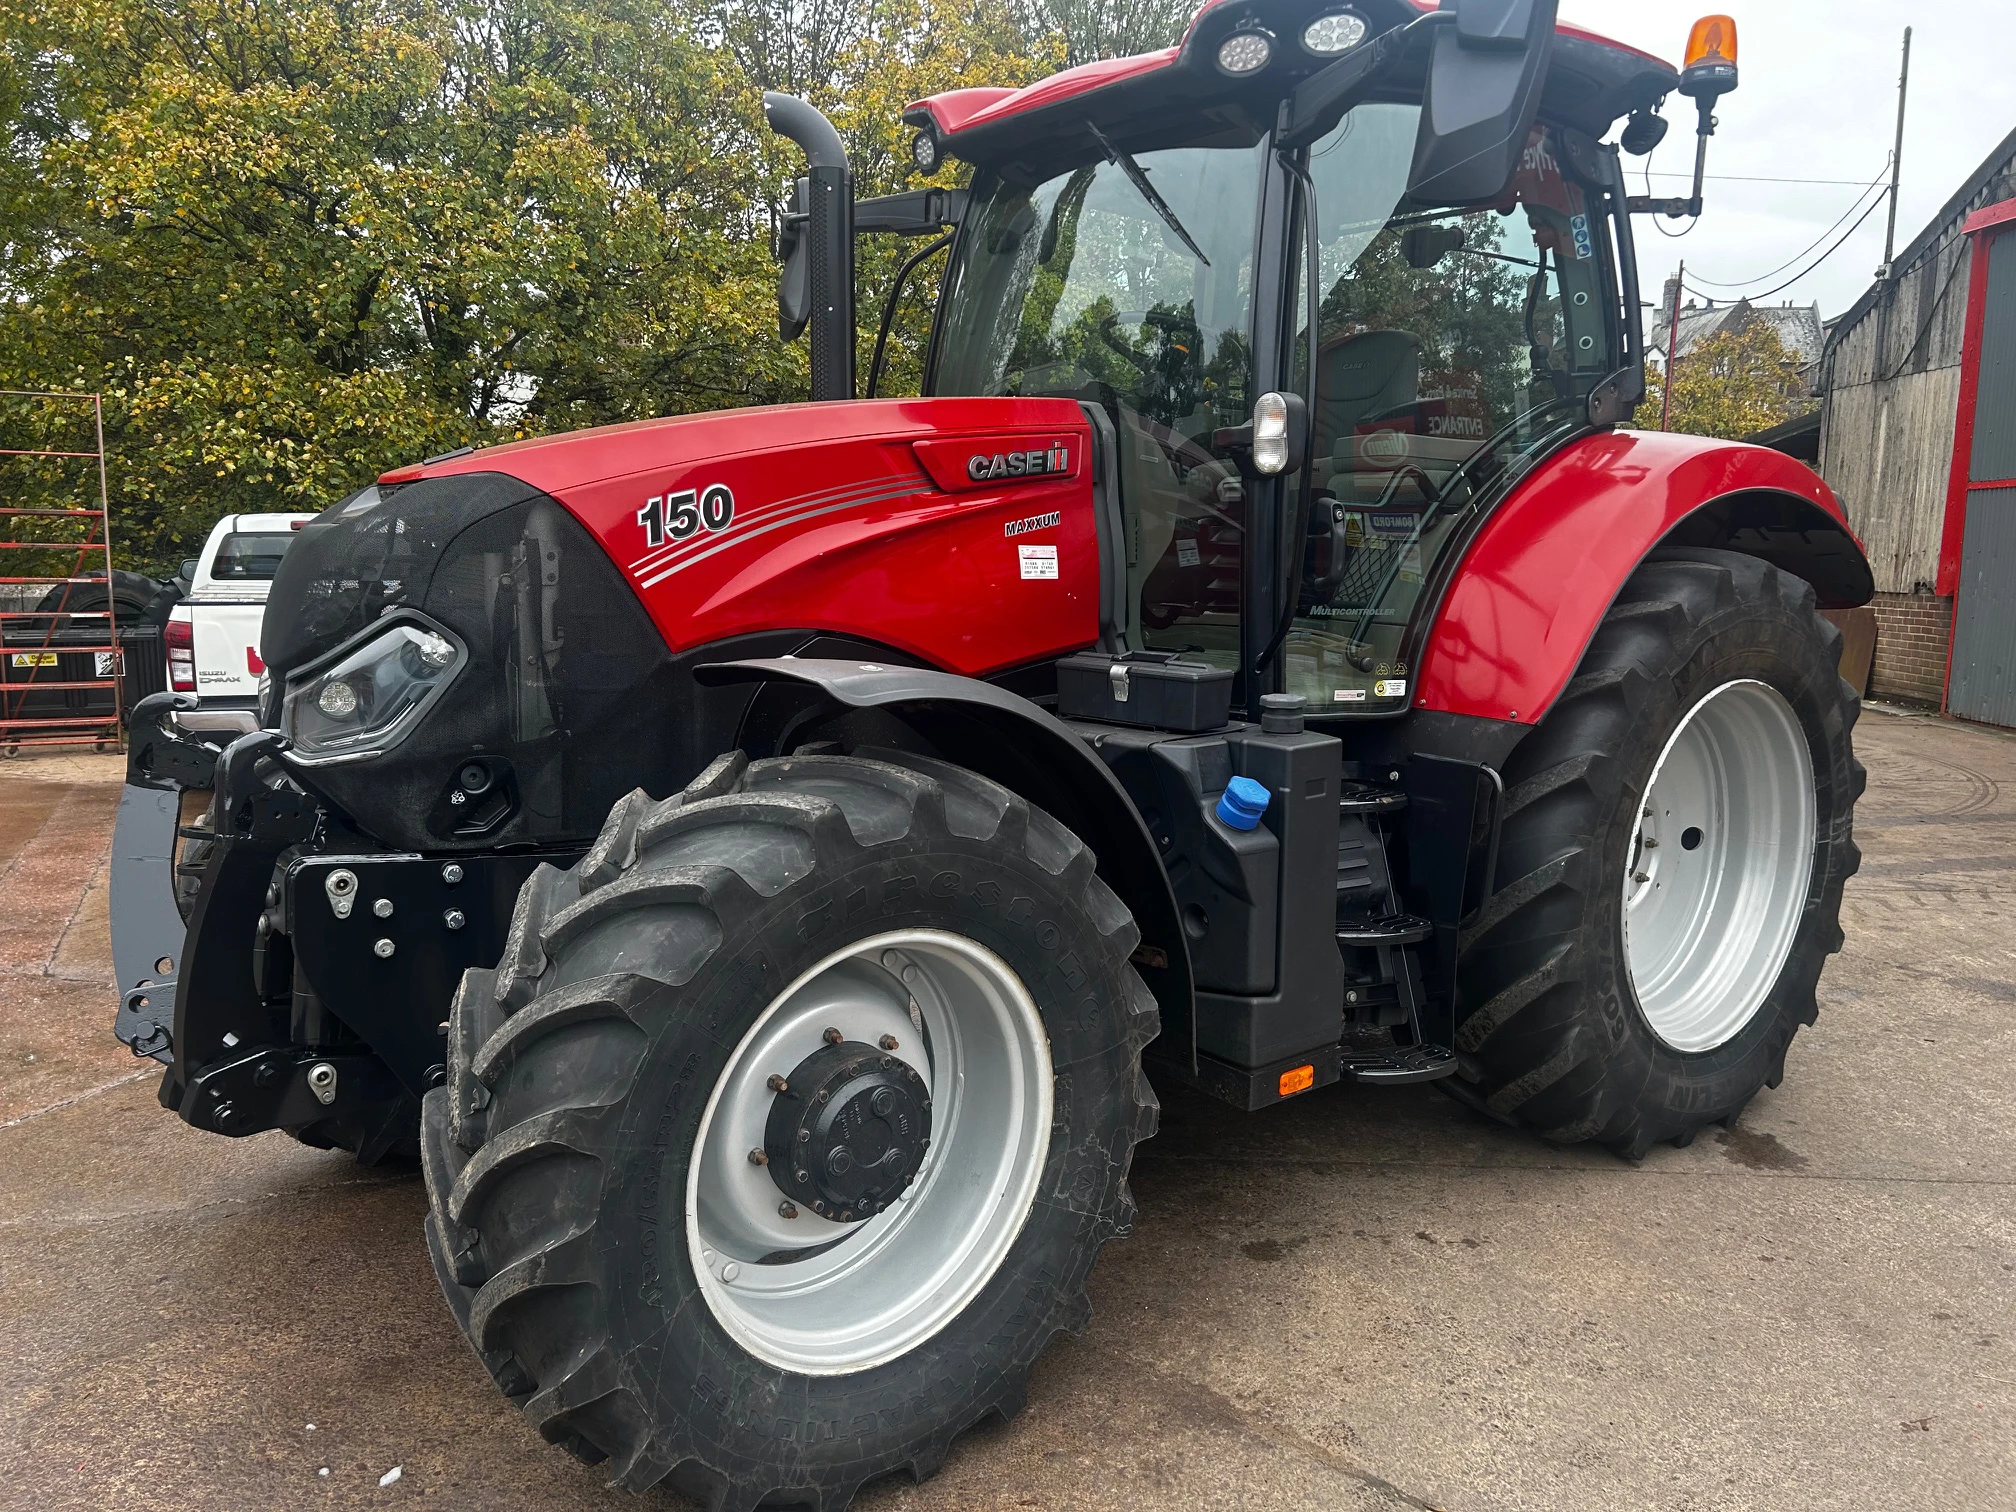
(1319, 101)
(889, 307)
(1680, 209)
(915, 212)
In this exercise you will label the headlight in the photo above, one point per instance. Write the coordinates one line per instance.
(367, 699)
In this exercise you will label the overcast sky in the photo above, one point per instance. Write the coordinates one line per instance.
(1818, 100)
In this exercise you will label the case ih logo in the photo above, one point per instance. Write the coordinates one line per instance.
(1018, 464)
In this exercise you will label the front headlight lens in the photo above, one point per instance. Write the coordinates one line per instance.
(369, 698)
(337, 699)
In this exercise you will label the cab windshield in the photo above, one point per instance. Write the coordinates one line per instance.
(1446, 343)
(1080, 286)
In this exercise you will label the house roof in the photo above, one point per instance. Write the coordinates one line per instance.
(1798, 327)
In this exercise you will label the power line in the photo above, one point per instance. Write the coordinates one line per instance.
(1853, 206)
(1752, 178)
(1810, 267)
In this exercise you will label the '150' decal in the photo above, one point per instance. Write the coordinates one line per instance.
(675, 516)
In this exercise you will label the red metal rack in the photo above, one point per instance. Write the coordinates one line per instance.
(61, 678)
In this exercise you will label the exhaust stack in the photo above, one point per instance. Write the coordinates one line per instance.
(816, 246)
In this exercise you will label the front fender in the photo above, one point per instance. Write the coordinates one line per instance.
(1545, 568)
(1007, 739)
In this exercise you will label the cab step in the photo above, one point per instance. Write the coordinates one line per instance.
(1400, 1065)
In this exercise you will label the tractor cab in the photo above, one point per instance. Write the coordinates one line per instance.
(1149, 236)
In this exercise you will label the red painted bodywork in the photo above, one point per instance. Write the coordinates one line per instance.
(1547, 565)
(1982, 228)
(838, 525)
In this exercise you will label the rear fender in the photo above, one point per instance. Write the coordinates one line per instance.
(1008, 739)
(1546, 567)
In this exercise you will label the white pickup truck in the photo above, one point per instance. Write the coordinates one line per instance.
(213, 634)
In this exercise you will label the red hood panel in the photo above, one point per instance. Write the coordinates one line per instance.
(864, 519)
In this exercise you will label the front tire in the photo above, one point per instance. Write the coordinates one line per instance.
(623, 1210)
(1677, 832)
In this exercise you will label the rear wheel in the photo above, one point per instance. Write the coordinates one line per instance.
(1677, 833)
(786, 1133)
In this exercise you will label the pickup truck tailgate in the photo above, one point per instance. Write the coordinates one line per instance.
(227, 647)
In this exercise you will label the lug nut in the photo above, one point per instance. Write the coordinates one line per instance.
(833, 1036)
(382, 908)
(888, 1042)
(804, 1136)
(383, 949)
(759, 1157)
(787, 1210)
(778, 1084)
(454, 918)
(451, 873)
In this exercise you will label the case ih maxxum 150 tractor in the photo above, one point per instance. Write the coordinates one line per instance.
(756, 859)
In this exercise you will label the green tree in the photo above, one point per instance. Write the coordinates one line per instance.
(1092, 29)
(1732, 384)
(295, 244)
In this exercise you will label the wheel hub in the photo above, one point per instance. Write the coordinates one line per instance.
(848, 1131)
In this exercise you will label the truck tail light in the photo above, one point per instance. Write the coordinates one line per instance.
(179, 637)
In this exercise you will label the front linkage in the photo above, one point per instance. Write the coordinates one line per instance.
(303, 1022)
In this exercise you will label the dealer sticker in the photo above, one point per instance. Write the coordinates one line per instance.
(1349, 695)
(1038, 561)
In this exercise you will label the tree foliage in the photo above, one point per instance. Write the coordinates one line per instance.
(296, 243)
(1731, 384)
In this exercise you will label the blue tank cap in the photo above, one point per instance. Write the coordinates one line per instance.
(1243, 802)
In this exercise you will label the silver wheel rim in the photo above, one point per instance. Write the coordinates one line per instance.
(825, 1298)
(1715, 879)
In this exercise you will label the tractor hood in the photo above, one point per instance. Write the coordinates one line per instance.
(529, 615)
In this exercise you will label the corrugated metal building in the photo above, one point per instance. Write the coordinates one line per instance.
(1896, 440)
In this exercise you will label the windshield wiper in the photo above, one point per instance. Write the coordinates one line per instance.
(1138, 177)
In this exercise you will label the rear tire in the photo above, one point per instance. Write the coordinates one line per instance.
(597, 1218)
(1584, 1026)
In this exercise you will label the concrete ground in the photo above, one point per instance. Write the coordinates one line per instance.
(1363, 1299)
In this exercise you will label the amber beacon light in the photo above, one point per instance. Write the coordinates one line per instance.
(1709, 68)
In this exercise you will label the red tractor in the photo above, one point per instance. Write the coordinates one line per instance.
(756, 860)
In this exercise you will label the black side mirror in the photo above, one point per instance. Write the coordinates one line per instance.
(1425, 246)
(1484, 83)
(794, 281)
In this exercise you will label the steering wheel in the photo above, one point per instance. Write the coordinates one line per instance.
(1160, 319)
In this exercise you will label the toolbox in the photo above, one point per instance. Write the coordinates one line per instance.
(1152, 689)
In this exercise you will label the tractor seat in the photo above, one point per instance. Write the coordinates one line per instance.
(1359, 376)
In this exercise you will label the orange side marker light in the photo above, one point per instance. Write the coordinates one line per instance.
(1301, 1079)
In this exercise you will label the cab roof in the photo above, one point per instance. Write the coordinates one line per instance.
(1178, 97)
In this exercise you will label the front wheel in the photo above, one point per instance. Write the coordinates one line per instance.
(784, 1136)
(1676, 835)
